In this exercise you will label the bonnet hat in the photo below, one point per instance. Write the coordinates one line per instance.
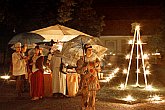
(17, 45)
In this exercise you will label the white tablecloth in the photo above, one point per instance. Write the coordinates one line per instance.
(63, 84)
(72, 83)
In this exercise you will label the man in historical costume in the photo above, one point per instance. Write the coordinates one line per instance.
(88, 67)
(50, 54)
(24, 56)
(23, 51)
(19, 69)
(58, 83)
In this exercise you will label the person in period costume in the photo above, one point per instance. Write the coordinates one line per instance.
(88, 67)
(23, 54)
(57, 77)
(19, 69)
(36, 77)
(50, 54)
(49, 58)
(23, 51)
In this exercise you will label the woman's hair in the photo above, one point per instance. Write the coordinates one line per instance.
(86, 46)
(37, 47)
(23, 46)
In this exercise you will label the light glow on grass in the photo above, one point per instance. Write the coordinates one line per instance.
(155, 99)
(145, 56)
(127, 56)
(6, 77)
(116, 70)
(150, 88)
(147, 72)
(109, 64)
(125, 71)
(122, 86)
(129, 98)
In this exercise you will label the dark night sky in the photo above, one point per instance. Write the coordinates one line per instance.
(128, 2)
(28, 9)
(33, 9)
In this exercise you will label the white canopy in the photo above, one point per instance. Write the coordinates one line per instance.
(58, 33)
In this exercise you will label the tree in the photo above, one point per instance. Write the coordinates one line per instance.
(81, 16)
(157, 42)
(65, 10)
(5, 23)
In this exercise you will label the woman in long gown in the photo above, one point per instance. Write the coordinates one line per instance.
(89, 84)
(37, 78)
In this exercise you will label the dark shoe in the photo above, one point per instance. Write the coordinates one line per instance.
(63, 96)
(55, 95)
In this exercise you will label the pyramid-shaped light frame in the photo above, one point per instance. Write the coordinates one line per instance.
(137, 41)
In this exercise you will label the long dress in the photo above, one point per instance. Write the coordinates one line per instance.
(37, 78)
(89, 81)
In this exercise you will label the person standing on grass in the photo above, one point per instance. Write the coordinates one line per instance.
(55, 64)
(19, 70)
(88, 68)
(23, 51)
(37, 77)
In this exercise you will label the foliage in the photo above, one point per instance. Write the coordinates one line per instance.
(65, 11)
(82, 17)
(156, 42)
(26, 15)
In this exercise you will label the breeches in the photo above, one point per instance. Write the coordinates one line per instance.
(20, 83)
